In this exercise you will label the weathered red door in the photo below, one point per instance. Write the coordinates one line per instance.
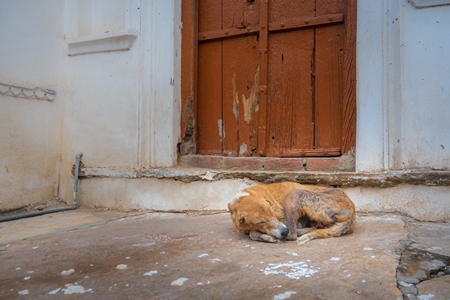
(274, 77)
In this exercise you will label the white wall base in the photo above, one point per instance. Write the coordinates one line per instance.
(158, 194)
(426, 203)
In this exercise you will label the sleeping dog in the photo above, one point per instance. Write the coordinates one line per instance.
(292, 211)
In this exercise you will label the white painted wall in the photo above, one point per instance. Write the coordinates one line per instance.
(122, 106)
(116, 68)
(31, 55)
(425, 83)
(403, 91)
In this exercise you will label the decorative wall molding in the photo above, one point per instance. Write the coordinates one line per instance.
(428, 3)
(101, 26)
(26, 91)
(114, 41)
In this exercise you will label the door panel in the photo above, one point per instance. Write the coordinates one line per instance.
(328, 90)
(240, 95)
(289, 91)
(209, 90)
(275, 78)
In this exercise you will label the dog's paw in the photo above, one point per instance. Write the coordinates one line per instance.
(269, 238)
(302, 240)
(262, 237)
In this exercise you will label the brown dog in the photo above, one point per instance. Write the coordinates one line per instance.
(283, 210)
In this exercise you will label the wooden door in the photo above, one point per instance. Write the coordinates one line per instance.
(273, 77)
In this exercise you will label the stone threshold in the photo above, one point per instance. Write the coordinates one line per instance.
(337, 179)
(343, 163)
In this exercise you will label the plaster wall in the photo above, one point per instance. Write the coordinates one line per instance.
(115, 66)
(425, 83)
(402, 90)
(122, 106)
(31, 56)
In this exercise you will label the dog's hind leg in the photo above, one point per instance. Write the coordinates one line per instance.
(335, 230)
(302, 231)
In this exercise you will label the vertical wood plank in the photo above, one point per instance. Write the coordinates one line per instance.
(240, 80)
(328, 89)
(290, 120)
(240, 95)
(290, 91)
(209, 107)
(328, 78)
(263, 76)
(349, 79)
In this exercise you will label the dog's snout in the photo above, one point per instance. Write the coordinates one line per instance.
(284, 232)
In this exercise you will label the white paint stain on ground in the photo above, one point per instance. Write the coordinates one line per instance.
(27, 278)
(215, 260)
(54, 292)
(292, 253)
(201, 283)
(335, 258)
(24, 292)
(151, 273)
(68, 272)
(179, 281)
(121, 267)
(203, 255)
(293, 270)
(285, 295)
(144, 244)
(75, 289)
(426, 297)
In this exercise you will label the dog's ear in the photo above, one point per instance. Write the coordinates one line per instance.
(241, 219)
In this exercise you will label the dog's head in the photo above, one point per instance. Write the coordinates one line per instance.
(254, 213)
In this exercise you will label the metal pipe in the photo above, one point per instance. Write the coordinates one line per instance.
(74, 204)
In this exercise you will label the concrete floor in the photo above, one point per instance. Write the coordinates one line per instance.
(88, 254)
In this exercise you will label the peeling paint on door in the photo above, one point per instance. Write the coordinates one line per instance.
(243, 149)
(251, 104)
(221, 129)
(235, 97)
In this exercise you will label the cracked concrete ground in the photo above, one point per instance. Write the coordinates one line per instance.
(90, 254)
